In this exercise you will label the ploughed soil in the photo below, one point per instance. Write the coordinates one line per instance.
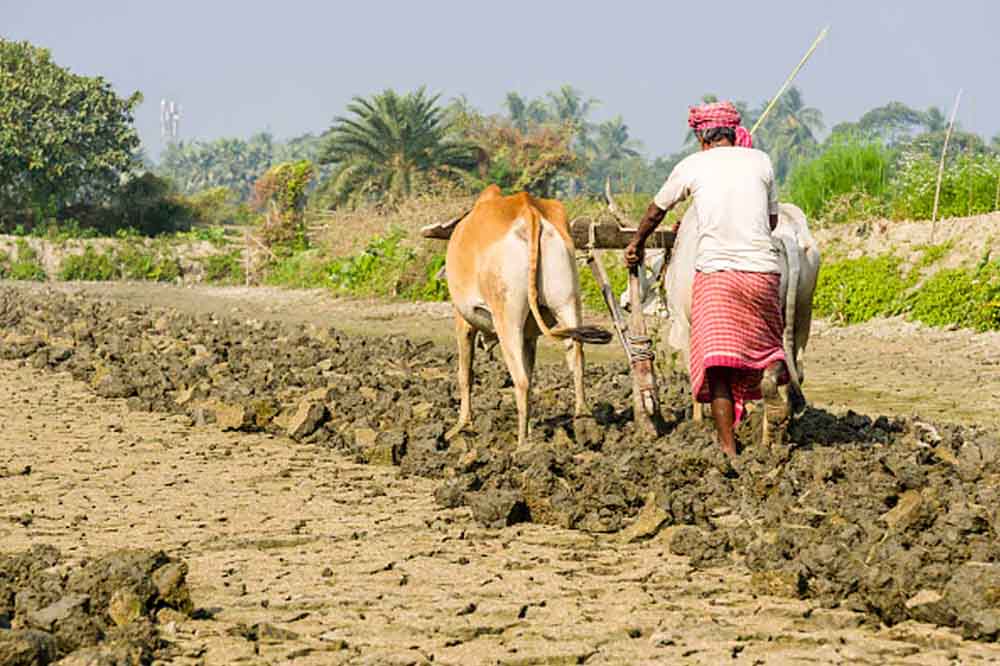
(295, 471)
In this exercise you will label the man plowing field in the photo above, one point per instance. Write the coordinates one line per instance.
(736, 351)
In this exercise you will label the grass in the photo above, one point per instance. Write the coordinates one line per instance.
(89, 266)
(224, 268)
(960, 297)
(848, 179)
(855, 290)
(25, 265)
(303, 270)
(131, 259)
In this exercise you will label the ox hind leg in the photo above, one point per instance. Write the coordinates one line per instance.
(465, 335)
(518, 350)
(568, 316)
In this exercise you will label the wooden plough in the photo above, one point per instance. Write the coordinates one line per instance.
(593, 237)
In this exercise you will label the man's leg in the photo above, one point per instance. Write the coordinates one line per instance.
(721, 392)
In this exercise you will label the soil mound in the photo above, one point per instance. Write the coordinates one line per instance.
(103, 611)
(897, 518)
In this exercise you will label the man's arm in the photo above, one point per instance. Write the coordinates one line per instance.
(633, 253)
(674, 190)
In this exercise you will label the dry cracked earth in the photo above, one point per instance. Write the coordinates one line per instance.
(866, 541)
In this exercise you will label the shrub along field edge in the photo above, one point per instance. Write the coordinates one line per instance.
(925, 285)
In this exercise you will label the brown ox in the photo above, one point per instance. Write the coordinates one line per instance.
(512, 273)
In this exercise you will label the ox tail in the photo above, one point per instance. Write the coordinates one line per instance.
(584, 334)
(790, 250)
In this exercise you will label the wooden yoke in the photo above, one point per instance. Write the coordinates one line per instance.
(606, 235)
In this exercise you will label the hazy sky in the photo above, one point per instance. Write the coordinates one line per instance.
(291, 66)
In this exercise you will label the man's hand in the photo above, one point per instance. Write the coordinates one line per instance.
(634, 253)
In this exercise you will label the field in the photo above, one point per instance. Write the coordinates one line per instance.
(867, 541)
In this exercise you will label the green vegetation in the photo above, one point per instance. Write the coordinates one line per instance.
(73, 169)
(281, 195)
(590, 292)
(24, 266)
(969, 186)
(130, 259)
(390, 147)
(61, 134)
(789, 133)
(90, 265)
(933, 253)
(385, 268)
(960, 297)
(224, 268)
(232, 164)
(856, 290)
(886, 164)
(301, 270)
(155, 262)
(849, 171)
(219, 206)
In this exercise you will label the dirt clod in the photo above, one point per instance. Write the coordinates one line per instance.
(882, 515)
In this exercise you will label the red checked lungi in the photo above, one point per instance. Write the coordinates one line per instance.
(736, 322)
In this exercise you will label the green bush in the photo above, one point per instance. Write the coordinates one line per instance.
(590, 292)
(855, 290)
(214, 235)
(26, 264)
(306, 269)
(375, 271)
(933, 253)
(960, 297)
(155, 263)
(418, 279)
(968, 186)
(218, 206)
(387, 268)
(848, 177)
(224, 268)
(89, 266)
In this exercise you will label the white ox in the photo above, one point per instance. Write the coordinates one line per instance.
(800, 261)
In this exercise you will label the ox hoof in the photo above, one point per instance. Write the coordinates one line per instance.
(776, 415)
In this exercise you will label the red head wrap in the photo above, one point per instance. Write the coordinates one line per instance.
(719, 114)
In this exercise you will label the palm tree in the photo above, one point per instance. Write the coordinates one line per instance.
(568, 106)
(789, 133)
(525, 114)
(613, 142)
(389, 146)
(613, 149)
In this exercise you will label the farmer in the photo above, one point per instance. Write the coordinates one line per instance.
(736, 323)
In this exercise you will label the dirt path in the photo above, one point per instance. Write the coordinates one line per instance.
(354, 564)
(881, 367)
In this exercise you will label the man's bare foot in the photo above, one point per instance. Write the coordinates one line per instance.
(731, 449)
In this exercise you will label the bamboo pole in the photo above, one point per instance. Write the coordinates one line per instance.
(944, 153)
(788, 81)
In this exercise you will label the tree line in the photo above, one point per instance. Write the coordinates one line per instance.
(68, 148)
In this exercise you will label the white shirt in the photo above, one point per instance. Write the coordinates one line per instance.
(734, 193)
